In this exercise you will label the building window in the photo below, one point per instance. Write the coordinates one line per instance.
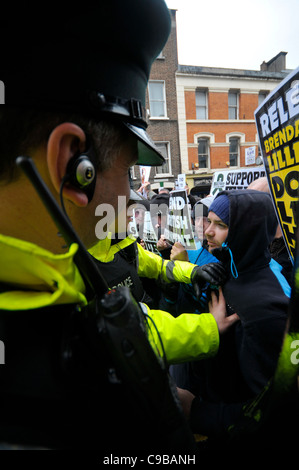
(262, 96)
(201, 104)
(160, 56)
(157, 100)
(234, 151)
(132, 173)
(233, 104)
(203, 153)
(163, 147)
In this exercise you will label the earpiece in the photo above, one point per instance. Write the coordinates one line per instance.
(81, 173)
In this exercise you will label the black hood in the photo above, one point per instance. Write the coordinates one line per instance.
(162, 198)
(252, 226)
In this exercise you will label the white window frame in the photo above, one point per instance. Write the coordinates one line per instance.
(236, 107)
(205, 137)
(132, 170)
(236, 135)
(262, 96)
(157, 168)
(205, 92)
(210, 136)
(164, 99)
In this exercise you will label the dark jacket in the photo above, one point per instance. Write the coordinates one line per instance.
(162, 198)
(259, 294)
(77, 373)
(279, 252)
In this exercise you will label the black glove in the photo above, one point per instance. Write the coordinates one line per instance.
(223, 255)
(213, 273)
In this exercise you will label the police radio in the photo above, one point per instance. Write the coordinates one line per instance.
(117, 324)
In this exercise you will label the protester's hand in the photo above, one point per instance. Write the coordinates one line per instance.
(218, 310)
(143, 186)
(214, 273)
(179, 252)
(142, 243)
(162, 243)
(186, 399)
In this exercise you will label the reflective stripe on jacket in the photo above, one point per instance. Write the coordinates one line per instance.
(153, 266)
(187, 337)
(148, 264)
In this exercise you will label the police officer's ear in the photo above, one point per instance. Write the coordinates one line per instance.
(65, 141)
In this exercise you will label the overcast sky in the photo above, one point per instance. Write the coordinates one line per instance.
(236, 33)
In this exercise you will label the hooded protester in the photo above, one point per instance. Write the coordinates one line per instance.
(187, 299)
(241, 226)
(277, 248)
(159, 209)
(256, 289)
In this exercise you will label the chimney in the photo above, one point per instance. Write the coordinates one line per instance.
(276, 64)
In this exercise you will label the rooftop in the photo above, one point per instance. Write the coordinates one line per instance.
(275, 68)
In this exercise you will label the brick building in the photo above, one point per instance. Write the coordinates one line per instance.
(161, 103)
(202, 118)
(216, 116)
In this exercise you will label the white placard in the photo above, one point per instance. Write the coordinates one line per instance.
(250, 156)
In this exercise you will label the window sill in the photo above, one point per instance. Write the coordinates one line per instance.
(162, 118)
(198, 171)
(164, 175)
(223, 121)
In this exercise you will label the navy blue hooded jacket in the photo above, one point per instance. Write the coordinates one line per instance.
(259, 294)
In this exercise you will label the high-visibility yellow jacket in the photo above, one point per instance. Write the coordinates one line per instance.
(148, 264)
(187, 337)
(39, 278)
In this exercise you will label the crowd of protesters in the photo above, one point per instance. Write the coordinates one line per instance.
(239, 230)
(109, 345)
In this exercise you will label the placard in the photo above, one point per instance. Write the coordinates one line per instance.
(277, 121)
(149, 234)
(181, 181)
(250, 156)
(235, 179)
(179, 225)
(145, 172)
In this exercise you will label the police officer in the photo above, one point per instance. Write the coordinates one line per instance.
(185, 337)
(74, 102)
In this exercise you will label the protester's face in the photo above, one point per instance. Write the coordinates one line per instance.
(201, 224)
(139, 216)
(135, 212)
(159, 220)
(162, 221)
(216, 232)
